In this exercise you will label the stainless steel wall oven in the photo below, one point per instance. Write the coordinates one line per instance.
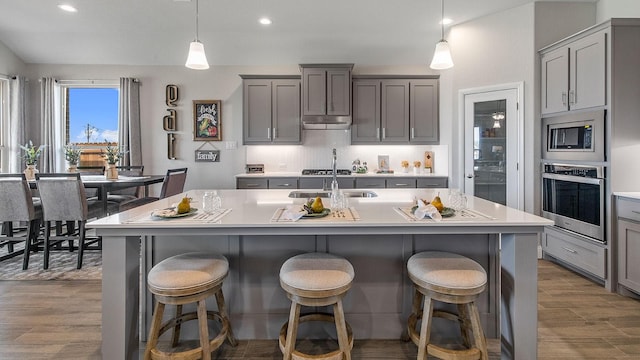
(574, 197)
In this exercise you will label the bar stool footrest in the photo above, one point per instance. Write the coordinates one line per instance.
(435, 350)
(195, 353)
(297, 355)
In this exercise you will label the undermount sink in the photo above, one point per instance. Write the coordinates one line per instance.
(326, 194)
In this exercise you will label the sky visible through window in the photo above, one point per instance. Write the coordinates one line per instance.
(93, 115)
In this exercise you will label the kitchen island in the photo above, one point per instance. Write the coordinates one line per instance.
(378, 243)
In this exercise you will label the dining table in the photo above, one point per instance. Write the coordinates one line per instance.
(104, 185)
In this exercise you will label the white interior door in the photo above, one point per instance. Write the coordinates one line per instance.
(493, 144)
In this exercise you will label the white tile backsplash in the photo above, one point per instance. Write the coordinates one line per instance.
(315, 153)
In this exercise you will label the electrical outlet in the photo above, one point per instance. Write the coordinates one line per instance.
(231, 145)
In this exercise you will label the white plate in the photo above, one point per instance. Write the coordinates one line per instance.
(172, 213)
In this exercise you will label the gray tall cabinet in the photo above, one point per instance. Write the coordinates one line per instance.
(598, 68)
(271, 109)
(395, 110)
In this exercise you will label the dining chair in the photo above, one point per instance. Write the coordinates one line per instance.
(173, 184)
(64, 200)
(17, 206)
(91, 170)
(121, 195)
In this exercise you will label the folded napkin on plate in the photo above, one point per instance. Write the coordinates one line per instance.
(427, 210)
(293, 212)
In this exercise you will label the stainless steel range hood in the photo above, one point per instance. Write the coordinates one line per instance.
(326, 122)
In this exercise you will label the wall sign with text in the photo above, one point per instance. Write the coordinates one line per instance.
(207, 120)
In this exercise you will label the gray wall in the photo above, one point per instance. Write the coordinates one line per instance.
(502, 48)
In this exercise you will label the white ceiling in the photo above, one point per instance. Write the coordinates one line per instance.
(158, 32)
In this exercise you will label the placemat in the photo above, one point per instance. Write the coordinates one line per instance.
(200, 217)
(459, 215)
(346, 215)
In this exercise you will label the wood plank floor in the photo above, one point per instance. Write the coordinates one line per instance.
(577, 320)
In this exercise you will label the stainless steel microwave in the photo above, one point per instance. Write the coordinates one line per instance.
(576, 136)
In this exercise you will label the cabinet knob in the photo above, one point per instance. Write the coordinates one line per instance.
(470, 176)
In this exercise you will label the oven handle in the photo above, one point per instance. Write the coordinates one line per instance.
(578, 179)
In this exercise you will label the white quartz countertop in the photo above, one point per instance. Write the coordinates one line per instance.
(628, 194)
(255, 209)
(353, 174)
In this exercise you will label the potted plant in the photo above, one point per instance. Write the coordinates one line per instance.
(31, 156)
(72, 156)
(112, 155)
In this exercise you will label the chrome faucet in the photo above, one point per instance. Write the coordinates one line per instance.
(334, 182)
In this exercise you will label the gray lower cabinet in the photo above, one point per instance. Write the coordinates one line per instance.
(324, 182)
(271, 110)
(401, 182)
(629, 243)
(252, 183)
(371, 183)
(344, 182)
(283, 183)
(432, 182)
(582, 254)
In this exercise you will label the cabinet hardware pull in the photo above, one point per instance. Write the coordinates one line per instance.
(284, 185)
(269, 133)
(572, 97)
(377, 133)
(402, 184)
(275, 134)
(570, 250)
(564, 98)
(384, 133)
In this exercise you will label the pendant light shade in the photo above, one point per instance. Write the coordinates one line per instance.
(442, 55)
(196, 59)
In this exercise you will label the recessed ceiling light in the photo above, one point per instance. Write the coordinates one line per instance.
(265, 21)
(446, 21)
(67, 8)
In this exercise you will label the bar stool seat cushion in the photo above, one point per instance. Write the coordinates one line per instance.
(316, 272)
(437, 270)
(186, 271)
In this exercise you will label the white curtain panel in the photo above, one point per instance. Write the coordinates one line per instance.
(18, 109)
(129, 131)
(50, 127)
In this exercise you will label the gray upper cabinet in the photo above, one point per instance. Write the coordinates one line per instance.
(574, 76)
(271, 110)
(395, 111)
(424, 112)
(326, 89)
(365, 128)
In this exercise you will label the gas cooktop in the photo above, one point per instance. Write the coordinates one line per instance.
(325, 172)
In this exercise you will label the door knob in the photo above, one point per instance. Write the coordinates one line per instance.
(470, 176)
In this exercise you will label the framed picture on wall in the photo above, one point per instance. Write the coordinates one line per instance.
(207, 120)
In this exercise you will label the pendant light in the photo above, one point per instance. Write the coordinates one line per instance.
(197, 59)
(442, 56)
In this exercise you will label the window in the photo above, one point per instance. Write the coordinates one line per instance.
(91, 114)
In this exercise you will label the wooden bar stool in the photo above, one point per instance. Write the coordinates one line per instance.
(453, 279)
(316, 279)
(184, 279)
